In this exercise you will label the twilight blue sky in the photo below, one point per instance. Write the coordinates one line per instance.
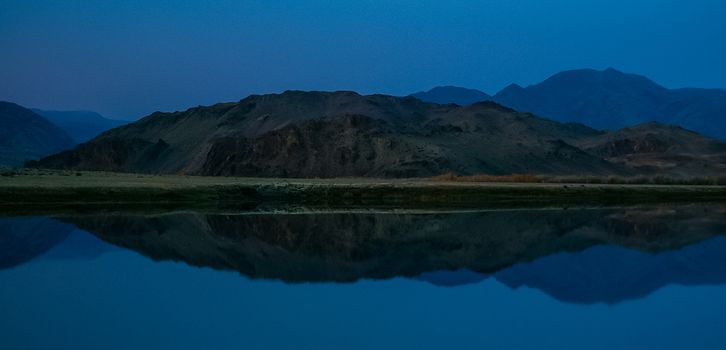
(126, 59)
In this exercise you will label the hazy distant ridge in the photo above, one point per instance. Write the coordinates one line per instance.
(608, 99)
(27, 135)
(80, 125)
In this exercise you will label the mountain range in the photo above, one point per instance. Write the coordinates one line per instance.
(82, 126)
(27, 135)
(30, 134)
(333, 134)
(598, 123)
(607, 100)
(452, 94)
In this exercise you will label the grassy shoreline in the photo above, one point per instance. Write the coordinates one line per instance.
(47, 190)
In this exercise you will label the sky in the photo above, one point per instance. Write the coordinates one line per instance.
(126, 59)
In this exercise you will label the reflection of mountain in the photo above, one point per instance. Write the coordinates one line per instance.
(612, 274)
(452, 278)
(347, 247)
(605, 273)
(22, 239)
(79, 245)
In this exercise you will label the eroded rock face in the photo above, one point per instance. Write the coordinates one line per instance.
(653, 148)
(346, 146)
(648, 144)
(107, 154)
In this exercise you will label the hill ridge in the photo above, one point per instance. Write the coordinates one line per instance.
(334, 134)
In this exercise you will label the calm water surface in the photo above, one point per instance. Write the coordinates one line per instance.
(640, 277)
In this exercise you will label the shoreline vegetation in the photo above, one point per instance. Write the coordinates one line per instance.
(615, 180)
(33, 190)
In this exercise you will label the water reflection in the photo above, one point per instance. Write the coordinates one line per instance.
(608, 274)
(574, 255)
(23, 239)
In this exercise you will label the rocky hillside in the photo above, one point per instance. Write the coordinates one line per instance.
(654, 148)
(332, 134)
(27, 135)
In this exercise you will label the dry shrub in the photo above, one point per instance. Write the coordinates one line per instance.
(445, 177)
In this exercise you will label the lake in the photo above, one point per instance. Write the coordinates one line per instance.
(569, 278)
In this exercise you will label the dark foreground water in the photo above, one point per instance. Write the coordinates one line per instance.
(643, 278)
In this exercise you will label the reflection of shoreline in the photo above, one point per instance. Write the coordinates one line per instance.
(276, 210)
(345, 247)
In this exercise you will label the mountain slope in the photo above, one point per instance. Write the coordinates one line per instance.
(27, 135)
(610, 99)
(452, 94)
(653, 148)
(333, 134)
(82, 126)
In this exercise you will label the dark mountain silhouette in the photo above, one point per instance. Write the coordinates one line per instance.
(452, 94)
(345, 247)
(329, 134)
(610, 99)
(82, 126)
(605, 100)
(27, 135)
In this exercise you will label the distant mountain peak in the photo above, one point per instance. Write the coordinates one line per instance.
(451, 88)
(611, 99)
(612, 70)
(452, 94)
(80, 125)
(593, 77)
(509, 89)
(513, 86)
